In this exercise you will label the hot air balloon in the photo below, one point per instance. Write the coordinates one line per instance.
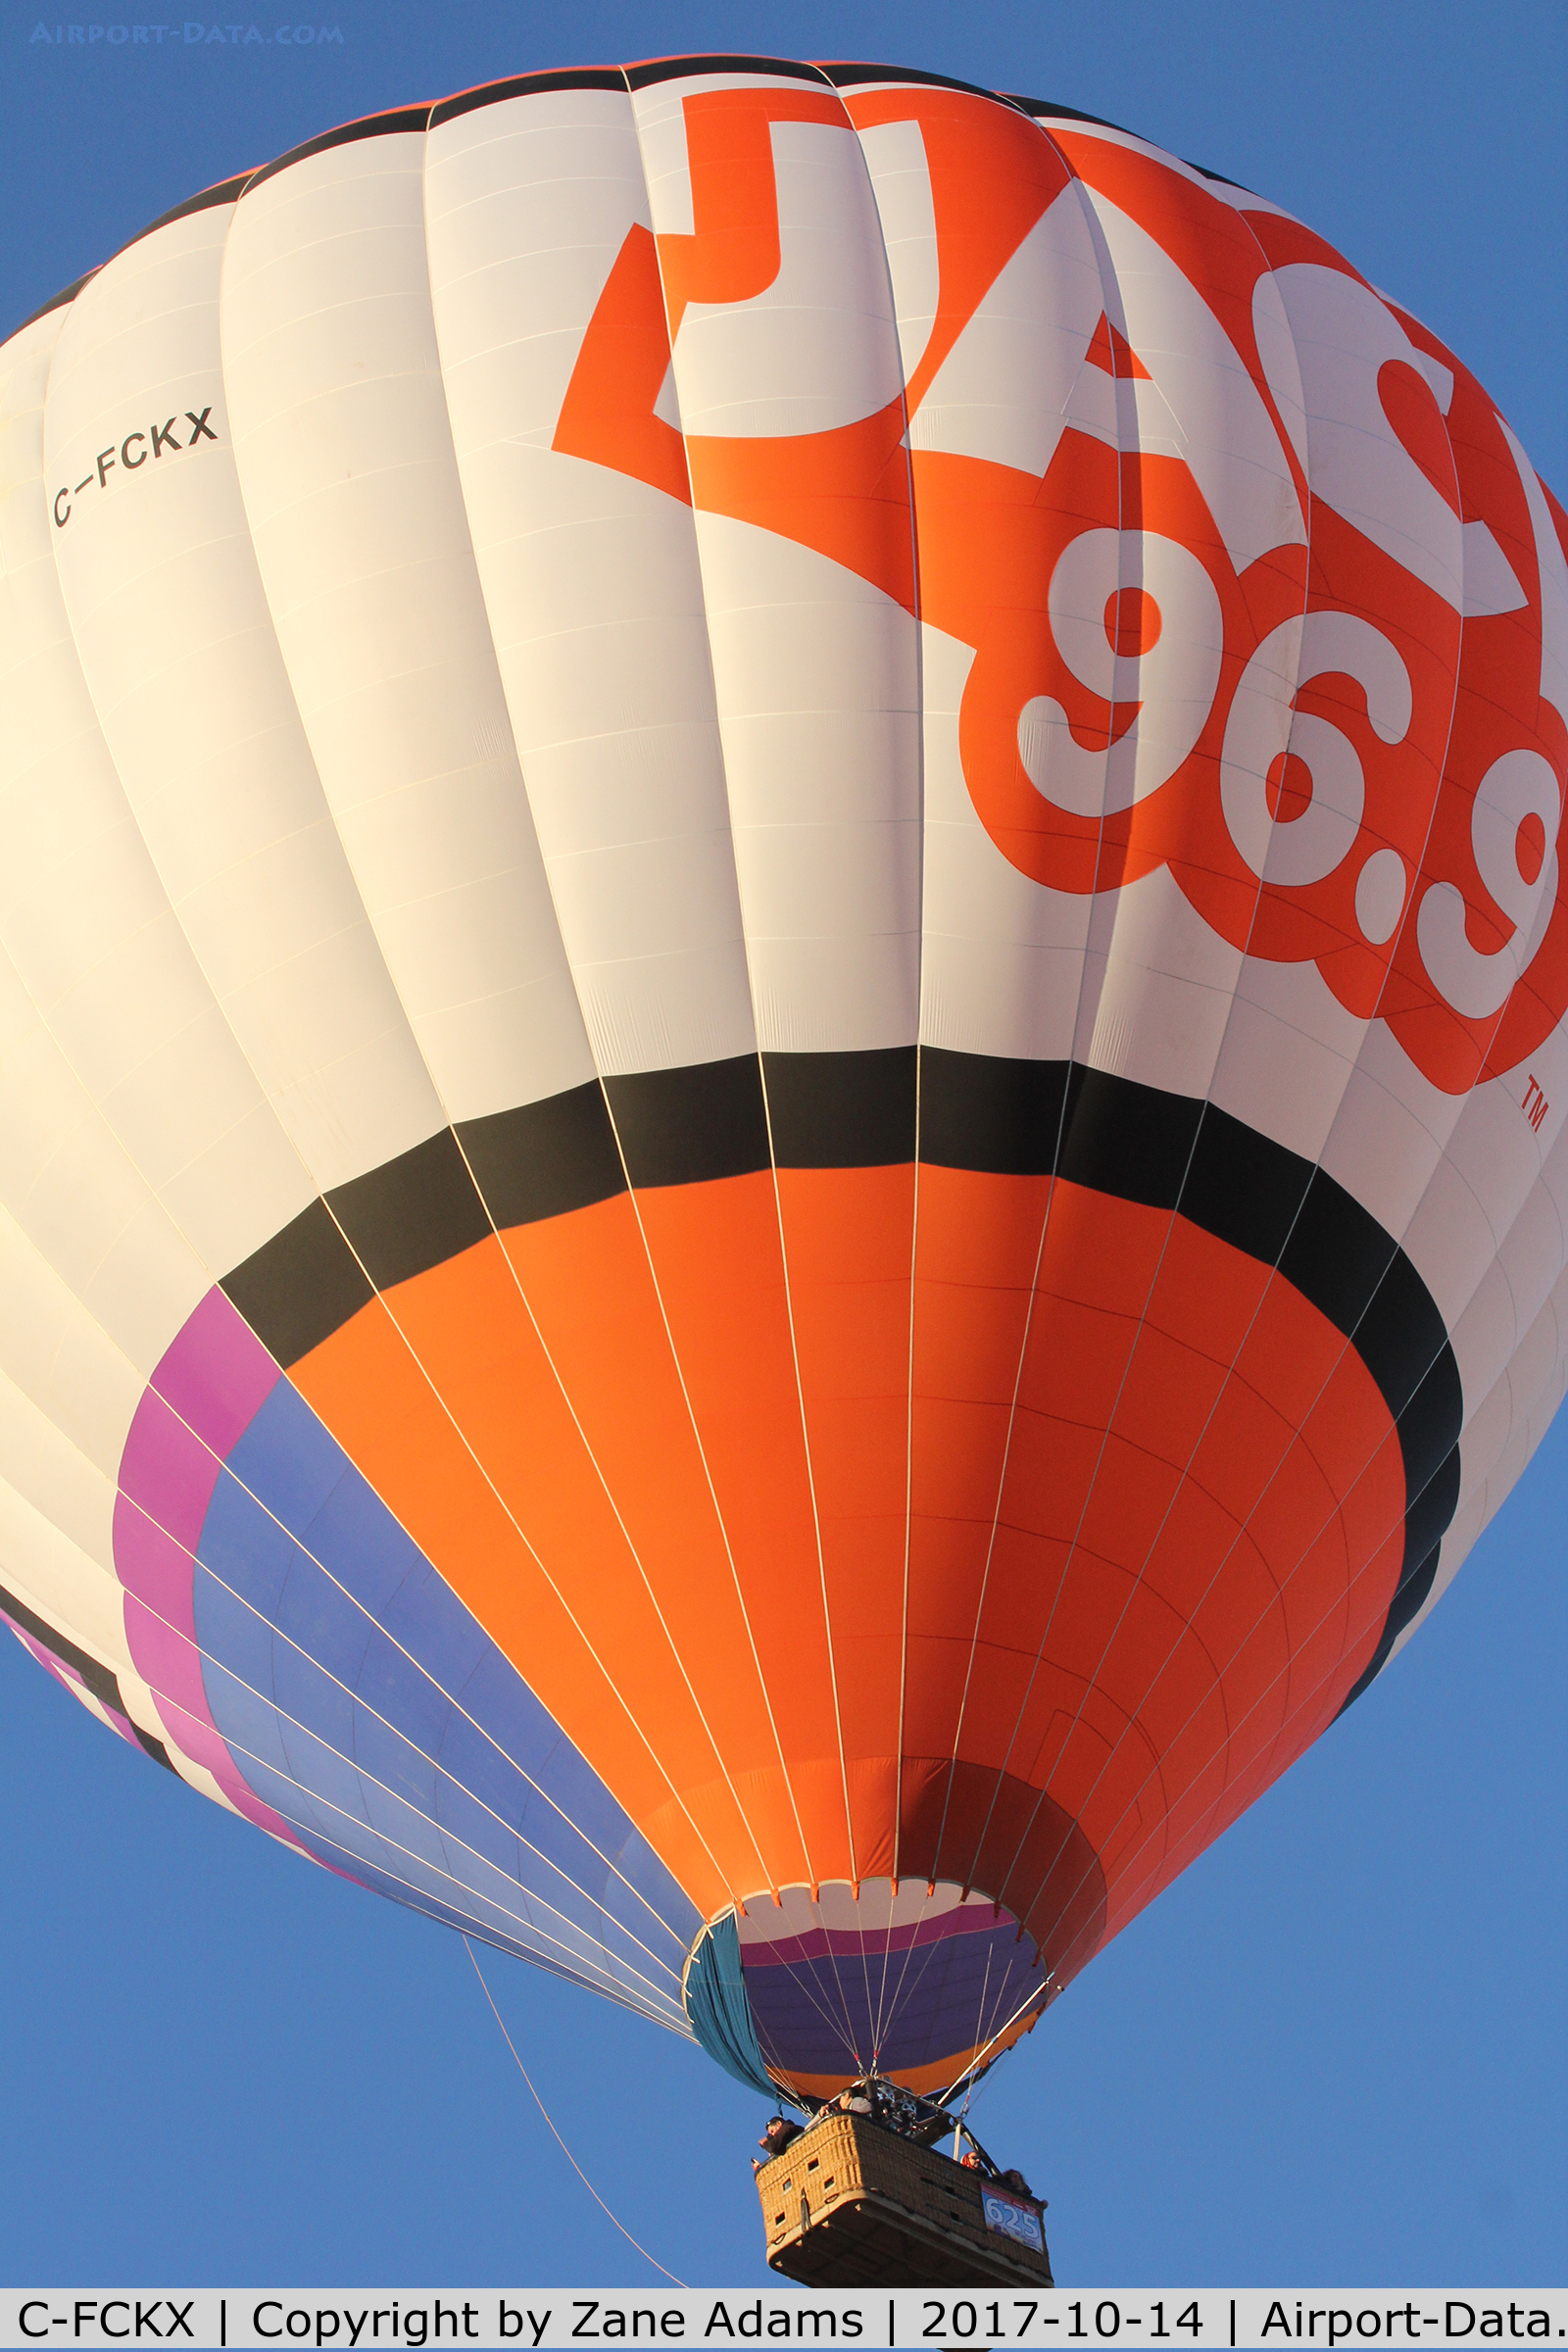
(783, 998)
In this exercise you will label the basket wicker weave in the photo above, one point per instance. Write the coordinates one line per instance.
(853, 2204)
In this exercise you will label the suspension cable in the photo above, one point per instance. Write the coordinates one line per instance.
(559, 2142)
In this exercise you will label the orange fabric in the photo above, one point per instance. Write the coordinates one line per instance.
(992, 177)
(1189, 1566)
(715, 1253)
(608, 414)
(987, 538)
(366, 1386)
(1110, 351)
(848, 1233)
(733, 250)
(845, 492)
(588, 1282)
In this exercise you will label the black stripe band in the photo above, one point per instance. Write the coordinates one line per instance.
(527, 85)
(104, 1685)
(226, 191)
(846, 1110)
(848, 73)
(56, 302)
(684, 68)
(1042, 109)
(1048, 108)
(399, 121)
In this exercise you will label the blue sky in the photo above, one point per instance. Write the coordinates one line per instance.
(1336, 2049)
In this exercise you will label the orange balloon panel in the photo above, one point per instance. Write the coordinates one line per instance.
(1013, 1566)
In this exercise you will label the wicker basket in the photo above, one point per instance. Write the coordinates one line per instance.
(850, 2203)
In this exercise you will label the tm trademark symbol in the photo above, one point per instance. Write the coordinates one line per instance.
(1535, 1111)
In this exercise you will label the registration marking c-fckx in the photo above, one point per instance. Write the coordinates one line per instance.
(157, 441)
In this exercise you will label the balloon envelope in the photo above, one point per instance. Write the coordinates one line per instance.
(782, 990)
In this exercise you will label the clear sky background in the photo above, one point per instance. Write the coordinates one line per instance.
(1333, 2052)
